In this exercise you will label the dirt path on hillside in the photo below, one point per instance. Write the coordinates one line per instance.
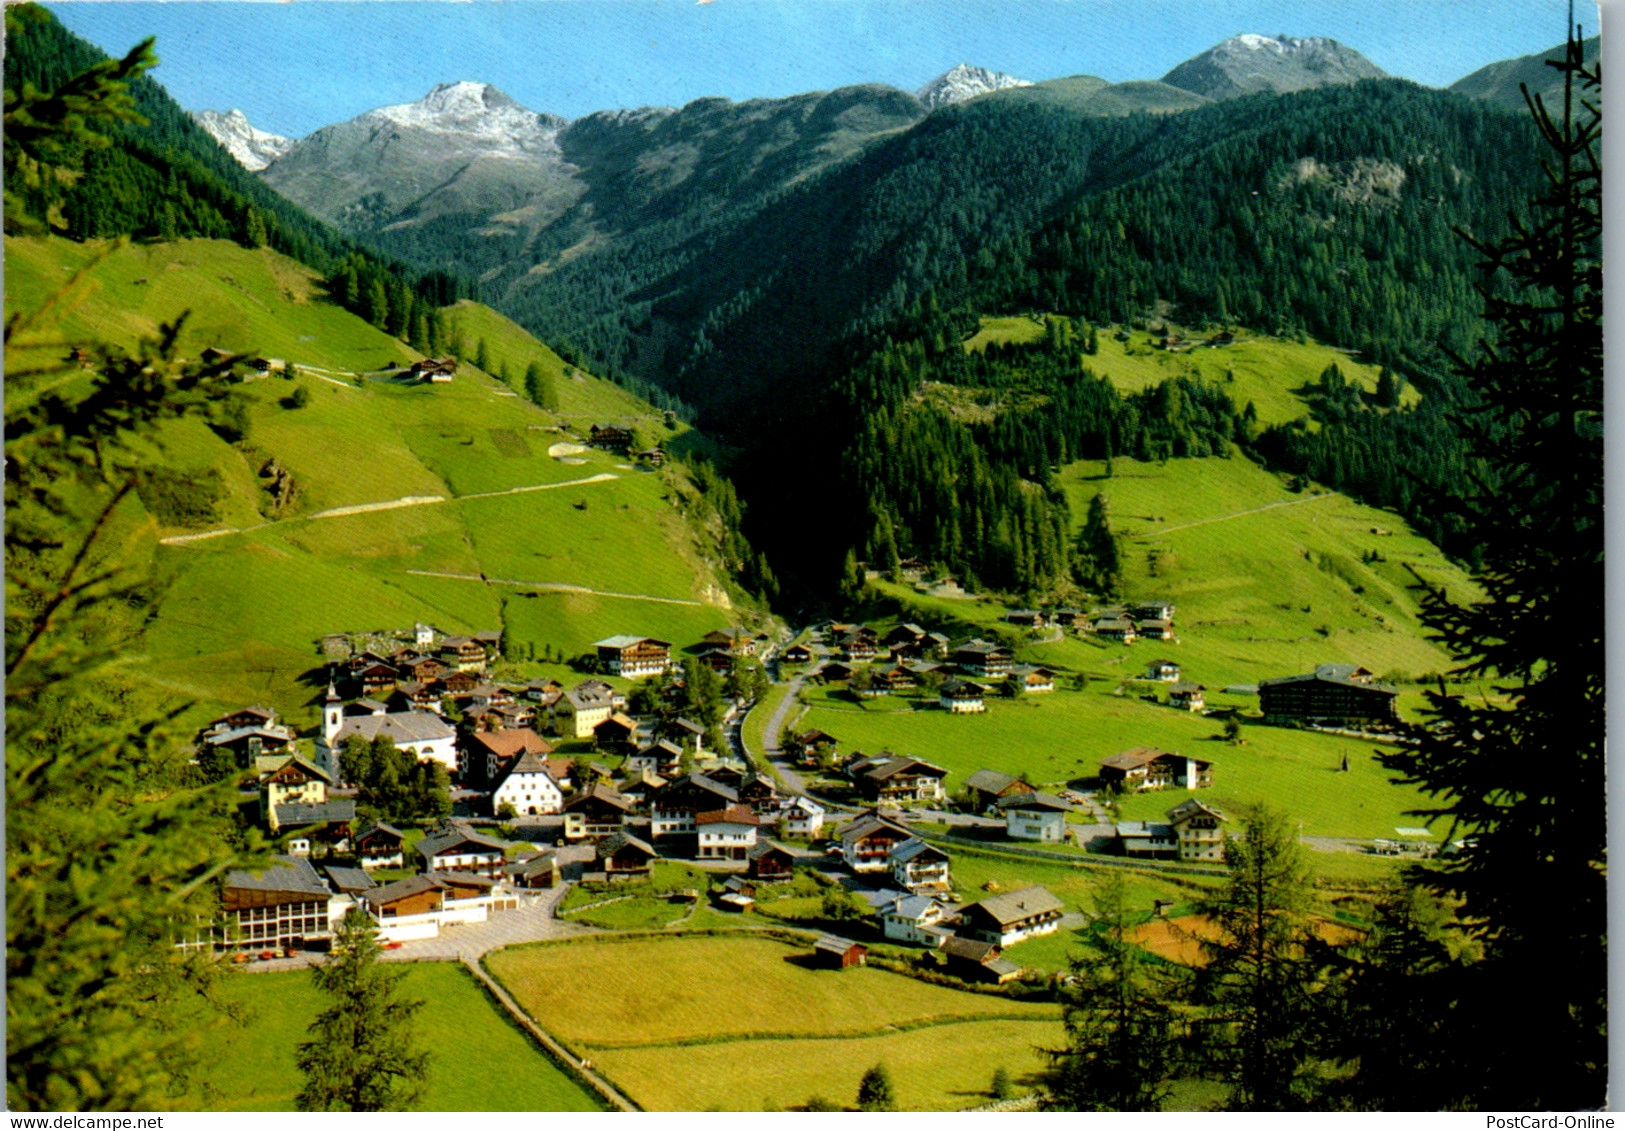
(554, 587)
(1228, 517)
(393, 504)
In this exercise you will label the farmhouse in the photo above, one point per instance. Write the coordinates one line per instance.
(526, 785)
(867, 841)
(893, 778)
(1152, 610)
(1150, 839)
(249, 734)
(758, 792)
(801, 817)
(488, 752)
(660, 757)
(834, 672)
(1033, 680)
(1012, 916)
(980, 658)
(595, 811)
(914, 919)
(673, 809)
(1164, 670)
(286, 905)
(985, 788)
(1154, 628)
(614, 733)
(580, 709)
(769, 862)
(739, 641)
(633, 657)
(454, 847)
(837, 953)
(1121, 629)
(610, 438)
(1027, 618)
(976, 960)
(859, 647)
(961, 697)
(290, 780)
(463, 653)
(1187, 696)
(920, 867)
(726, 834)
(436, 370)
(1035, 816)
(796, 654)
(1197, 829)
(379, 846)
(307, 823)
(622, 856)
(1145, 767)
(1331, 695)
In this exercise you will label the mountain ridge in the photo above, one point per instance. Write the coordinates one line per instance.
(1250, 64)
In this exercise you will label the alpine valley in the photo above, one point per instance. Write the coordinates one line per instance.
(823, 583)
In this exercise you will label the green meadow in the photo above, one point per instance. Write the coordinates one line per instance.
(243, 609)
(480, 1061)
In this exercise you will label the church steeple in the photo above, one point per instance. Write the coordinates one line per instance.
(332, 714)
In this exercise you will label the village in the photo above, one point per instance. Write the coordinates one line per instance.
(536, 795)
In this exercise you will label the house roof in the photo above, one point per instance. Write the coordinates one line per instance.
(1154, 830)
(982, 648)
(287, 760)
(762, 847)
(835, 944)
(316, 813)
(958, 946)
(530, 762)
(733, 815)
(1135, 758)
(531, 866)
(1185, 687)
(376, 827)
(699, 781)
(350, 880)
(1347, 675)
(914, 849)
(289, 873)
(621, 721)
(910, 906)
(867, 824)
(507, 743)
(438, 843)
(400, 889)
(263, 712)
(956, 688)
(1034, 800)
(227, 737)
(598, 791)
(625, 641)
(623, 839)
(897, 764)
(1190, 808)
(587, 699)
(405, 727)
(1014, 906)
(990, 781)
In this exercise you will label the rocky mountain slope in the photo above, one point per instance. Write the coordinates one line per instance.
(254, 149)
(1248, 64)
(964, 82)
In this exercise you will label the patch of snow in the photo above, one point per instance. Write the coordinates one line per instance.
(253, 149)
(477, 112)
(964, 82)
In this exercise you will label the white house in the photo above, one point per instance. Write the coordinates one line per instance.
(1034, 816)
(914, 919)
(726, 834)
(580, 709)
(1198, 829)
(418, 906)
(529, 787)
(1011, 916)
(920, 867)
(802, 817)
(456, 848)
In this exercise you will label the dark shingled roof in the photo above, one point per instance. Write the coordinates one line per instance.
(316, 813)
(290, 873)
(1014, 906)
(1034, 800)
(1348, 675)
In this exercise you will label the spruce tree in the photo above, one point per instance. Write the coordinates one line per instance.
(361, 1055)
(1119, 1025)
(1259, 989)
(1519, 772)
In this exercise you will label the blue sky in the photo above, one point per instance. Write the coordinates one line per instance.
(294, 67)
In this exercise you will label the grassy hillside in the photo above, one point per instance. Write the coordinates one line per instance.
(1273, 373)
(498, 533)
(253, 1068)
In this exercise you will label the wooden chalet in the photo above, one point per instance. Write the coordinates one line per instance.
(976, 960)
(1154, 628)
(739, 641)
(1027, 618)
(672, 810)
(962, 697)
(834, 672)
(633, 657)
(1146, 767)
(1119, 628)
(622, 856)
(610, 438)
(432, 369)
(1199, 831)
(1166, 671)
(835, 953)
(1187, 696)
(614, 733)
(1340, 695)
(985, 788)
(758, 792)
(868, 839)
(796, 654)
(896, 779)
(595, 811)
(984, 659)
(537, 871)
(768, 862)
(1011, 916)
(379, 845)
(455, 847)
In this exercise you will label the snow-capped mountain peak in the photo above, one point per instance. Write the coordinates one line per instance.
(962, 82)
(472, 110)
(253, 149)
(1250, 63)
